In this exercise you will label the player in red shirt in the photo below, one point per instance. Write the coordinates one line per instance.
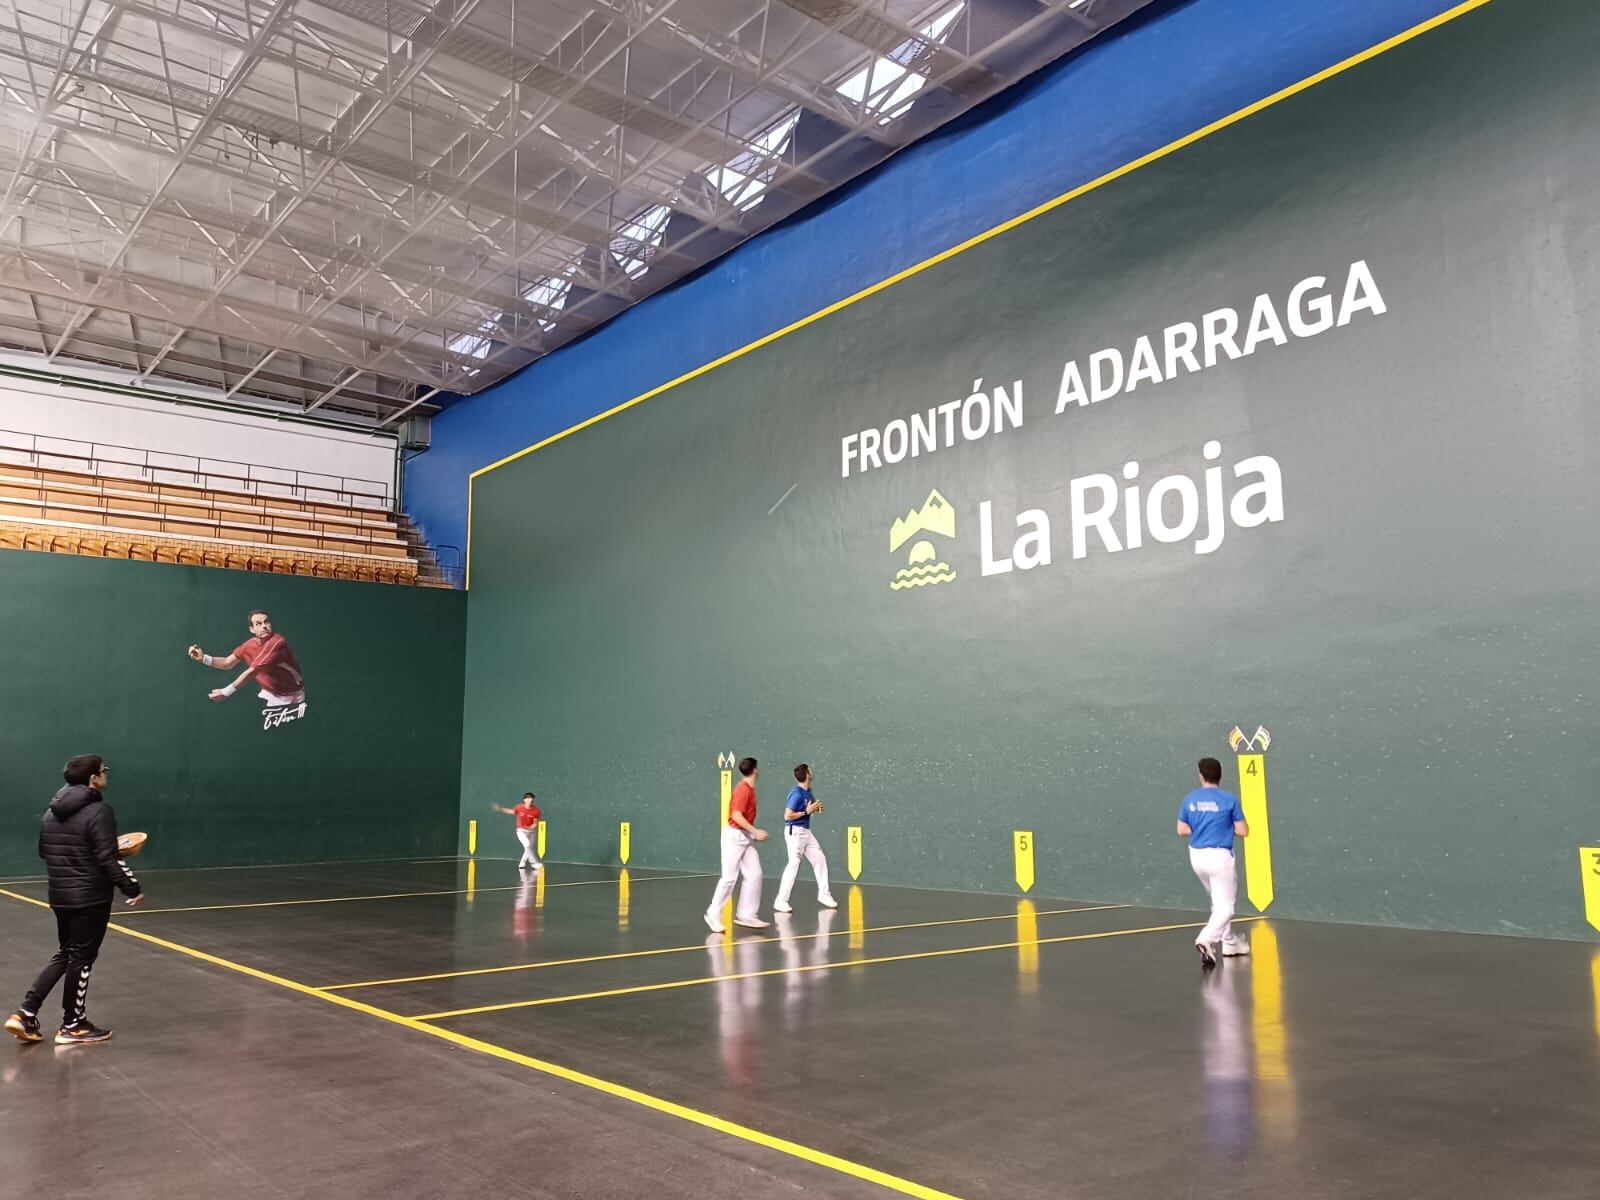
(739, 857)
(267, 657)
(528, 815)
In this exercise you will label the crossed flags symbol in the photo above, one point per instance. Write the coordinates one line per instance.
(1261, 739)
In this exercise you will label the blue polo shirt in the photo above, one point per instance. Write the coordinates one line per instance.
(1210, 813)
(798, 799)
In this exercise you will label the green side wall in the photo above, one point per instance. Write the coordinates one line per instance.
(694, 576)
(92, 660)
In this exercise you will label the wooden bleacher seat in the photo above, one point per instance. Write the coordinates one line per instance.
(181, 500)
(110, 515)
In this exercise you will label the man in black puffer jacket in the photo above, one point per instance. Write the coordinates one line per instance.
(78, 842)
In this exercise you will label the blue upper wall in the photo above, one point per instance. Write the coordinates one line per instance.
(1163, 75)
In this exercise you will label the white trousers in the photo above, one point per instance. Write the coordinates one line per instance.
(1215, 868)
(739, 859)
(527, 838)
(800, 843)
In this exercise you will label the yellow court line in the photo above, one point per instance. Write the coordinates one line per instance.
(288, 866)
(797, 937)
(1127, 168)
(706, 1120)
(151, 912)
(830, 966)
(318, 862)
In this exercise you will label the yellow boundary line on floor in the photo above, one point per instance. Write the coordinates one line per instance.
(153, 912)
(801, 970)
(794, 937)
(667, 1107)
(1127, 168)
(424, 860)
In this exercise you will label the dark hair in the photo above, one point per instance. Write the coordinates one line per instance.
(1210, 770)
(747, 767)
(83, 768)
(527, 795)
(253, 613)
(801, 772)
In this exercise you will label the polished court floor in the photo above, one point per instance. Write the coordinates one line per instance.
(440, 1029)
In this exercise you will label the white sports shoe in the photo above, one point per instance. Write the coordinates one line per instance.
(1235, 948)
(714, 924)
(751, 923)
(827, 902)
(782, 907)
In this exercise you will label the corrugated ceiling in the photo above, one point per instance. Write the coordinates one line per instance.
(353, 206)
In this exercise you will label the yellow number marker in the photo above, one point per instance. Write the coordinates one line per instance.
(472, 837)
(1023, 846)
(1258, 846)
(625, 838)
(472, 880)
(538, 892)
(541, 841)
(858, 917)
(725, 764)
(1028, 946)
(623, 896)
(724, 800)
(1589, 861)
(853, 851)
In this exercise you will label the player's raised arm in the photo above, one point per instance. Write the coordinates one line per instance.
(225, 663)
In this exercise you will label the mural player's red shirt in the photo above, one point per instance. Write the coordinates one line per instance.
(743, 802)
(527, 816)
(274, 664)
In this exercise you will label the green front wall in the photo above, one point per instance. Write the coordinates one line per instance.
(92, 661)
(1417, 633)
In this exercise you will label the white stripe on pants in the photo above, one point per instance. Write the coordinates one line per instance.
(526, 836)
(739, 858)
(799, 843)
(1215, 868)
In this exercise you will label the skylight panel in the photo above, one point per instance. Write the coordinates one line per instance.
(743, 179)
(550, 292)
(886, 86)
(638, 237)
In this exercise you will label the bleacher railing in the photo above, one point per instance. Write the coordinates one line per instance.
(109, 460)
(454, 572)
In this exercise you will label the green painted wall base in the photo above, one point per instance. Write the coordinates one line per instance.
(92, 660)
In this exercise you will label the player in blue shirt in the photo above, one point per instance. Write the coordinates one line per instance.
(799, 843)
(1211, 818)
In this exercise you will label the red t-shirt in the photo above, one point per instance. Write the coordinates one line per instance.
(274, 664)
(743, 801)
(527, 816)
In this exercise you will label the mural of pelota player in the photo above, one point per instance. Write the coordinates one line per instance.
(267, 657)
